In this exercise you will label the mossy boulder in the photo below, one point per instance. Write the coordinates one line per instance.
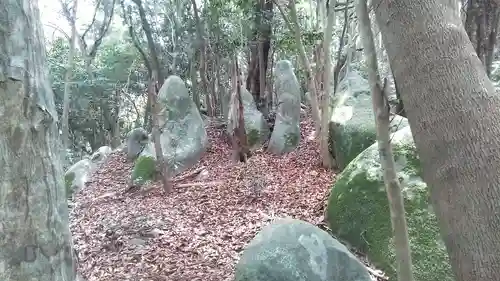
(358, 212)
(294, 250)
(144, 169)
(352, 126)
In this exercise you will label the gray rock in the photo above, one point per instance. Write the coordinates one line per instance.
(183, 136)
(77, 176)
(255, 124)
(293, 250)
(101, 154)
(352, 127)
(286, 133)
(136, 141)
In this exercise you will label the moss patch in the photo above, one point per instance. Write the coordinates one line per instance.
(68, 184)
(253, 137)
(144, 169)
(350, 143)
(358, 212)
(291, 139)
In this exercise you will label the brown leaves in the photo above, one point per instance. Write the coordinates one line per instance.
(197, 231)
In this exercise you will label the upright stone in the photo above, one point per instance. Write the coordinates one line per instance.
(183, 138)
(255, 124)
(286, 133)
(136, 140)
(294, 250)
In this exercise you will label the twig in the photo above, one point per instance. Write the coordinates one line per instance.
(188, 175)
(210, 183)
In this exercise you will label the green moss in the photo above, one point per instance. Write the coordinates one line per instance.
(358, 212)
(350, 143)
(144, 169)
(68, 183)
(291, 139)
(253, 137)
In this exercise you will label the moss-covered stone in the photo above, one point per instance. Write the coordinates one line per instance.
(358, 212)
(144, 169)
(292, 139)
(253, 137)
(68, 183)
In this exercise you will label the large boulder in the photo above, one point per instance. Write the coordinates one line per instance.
(293, 250)
(358, 212)
(286, 133)
(77, 176)
(137, 139)
(255, 124)
(352, 125)
(183, 136)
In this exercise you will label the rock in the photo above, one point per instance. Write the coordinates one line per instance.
(101, 154)
(136, 141)
(352, 127)
(77, 176)
(183, 138)
(255, 124)
(358, 212)
(286, 132)
(293, 250)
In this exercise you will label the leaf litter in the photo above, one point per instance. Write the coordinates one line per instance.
(199, 230)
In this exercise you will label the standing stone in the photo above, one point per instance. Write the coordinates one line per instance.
(136, 141)
(294, 250)
(77, 176)
(183, 136)
(286, 133)
(255, 123)
(101, 154)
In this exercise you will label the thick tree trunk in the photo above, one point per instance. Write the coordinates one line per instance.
(452, 108)
(35, 241)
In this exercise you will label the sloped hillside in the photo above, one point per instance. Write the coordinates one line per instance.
(197, 232)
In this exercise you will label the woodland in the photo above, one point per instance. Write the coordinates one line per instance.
(249, 140)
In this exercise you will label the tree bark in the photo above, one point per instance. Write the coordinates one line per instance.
(67, 78)
(452, 109)
(326, 157)
(381, 109)
(35, 240)
(260, 44)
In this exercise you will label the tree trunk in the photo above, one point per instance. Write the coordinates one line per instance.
(381, 109)
(162, 166)
(452, 108)
(241, 151)
(294, 27)
(203, 58)
(35, 240)
(67, 78)
(481, 24)
(261, 39)
(326, 157)
(194, 79)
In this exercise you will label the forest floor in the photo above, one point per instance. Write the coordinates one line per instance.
(197, 232)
